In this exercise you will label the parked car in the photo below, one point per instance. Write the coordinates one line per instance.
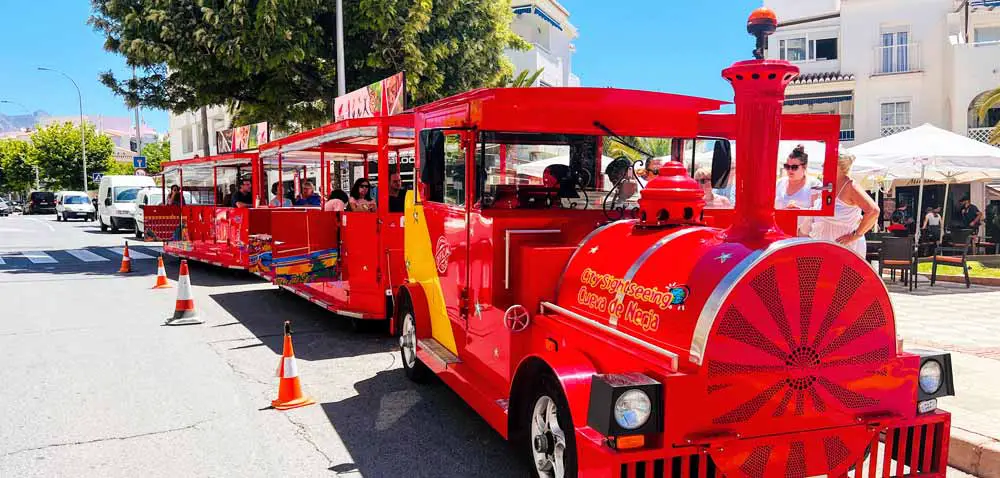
(41, 202)
(74, 204)
(116, 200)
(5, 208)
(151, 196)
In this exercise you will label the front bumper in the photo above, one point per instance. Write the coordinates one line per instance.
(122, 221)
(912, 448)
(77, 214)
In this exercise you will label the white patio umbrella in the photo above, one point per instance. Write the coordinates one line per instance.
(929, 153)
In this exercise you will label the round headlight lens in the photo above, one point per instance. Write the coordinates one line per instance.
(632, 409)
(930, 376)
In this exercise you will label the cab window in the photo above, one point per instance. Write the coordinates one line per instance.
(442, 168)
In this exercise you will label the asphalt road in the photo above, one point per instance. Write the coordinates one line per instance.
(93, 385)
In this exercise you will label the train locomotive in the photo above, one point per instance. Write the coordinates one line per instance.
(658, 346)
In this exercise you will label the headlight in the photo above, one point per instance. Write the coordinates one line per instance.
(930, 377)
(632, 409)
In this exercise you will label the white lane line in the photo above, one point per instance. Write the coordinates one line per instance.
(86, 256)
(39, 257)
(2, 261)
(42, 223)
(132, 253)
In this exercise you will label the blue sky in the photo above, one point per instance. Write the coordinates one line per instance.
(663, 45)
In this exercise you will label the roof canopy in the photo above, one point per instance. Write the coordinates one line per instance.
(946, 156)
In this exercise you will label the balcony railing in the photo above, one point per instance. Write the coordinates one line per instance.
(980, 134)
(897, 59)
(847, 135)
(891, 130)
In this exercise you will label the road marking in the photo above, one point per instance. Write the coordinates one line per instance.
(42, 223)
(85, 255)
(2, 261)
(39, 257)
(132, 253)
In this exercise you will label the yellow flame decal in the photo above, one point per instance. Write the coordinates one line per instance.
(422, 269)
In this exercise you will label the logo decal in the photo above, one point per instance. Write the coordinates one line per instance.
(442, 253)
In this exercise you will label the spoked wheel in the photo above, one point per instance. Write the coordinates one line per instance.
(414, 368)
(550, 436)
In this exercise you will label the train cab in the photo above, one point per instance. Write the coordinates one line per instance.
(596, 313)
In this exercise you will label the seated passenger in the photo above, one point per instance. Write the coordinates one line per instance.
(279, 197)
(175, 198)
(244, 196)
(337, 201)
(309, 196)
(361, 197)
(712, 201)
(397, 195)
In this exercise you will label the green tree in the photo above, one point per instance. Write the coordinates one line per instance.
(16, 163)
(990, 100)
(156, 153)
(118, 168)
(57, 152)
(275, 60)
(524, 79)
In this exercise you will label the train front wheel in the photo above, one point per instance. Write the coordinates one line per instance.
(551, 445)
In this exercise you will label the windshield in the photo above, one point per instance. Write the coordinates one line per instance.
(125, 193)
(42, 196)
(76, 200)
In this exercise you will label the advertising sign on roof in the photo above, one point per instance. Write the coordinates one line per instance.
(383, 98)
(241, 138)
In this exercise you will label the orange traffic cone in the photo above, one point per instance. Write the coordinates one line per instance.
(161, 275)
(184, 313)
(289, 389)
(126, 261)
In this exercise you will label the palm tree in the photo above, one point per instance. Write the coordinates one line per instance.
(524, 80)
(988, 101)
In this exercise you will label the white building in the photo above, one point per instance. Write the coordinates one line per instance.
(542, 23)
(887, 65)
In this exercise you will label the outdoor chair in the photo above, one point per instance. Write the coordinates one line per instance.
(961, 243)
(988, 247)
(897, 253)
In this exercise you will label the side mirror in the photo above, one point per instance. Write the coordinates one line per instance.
(107, 202)
(722, 163)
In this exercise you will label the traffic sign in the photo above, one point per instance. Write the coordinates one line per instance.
(140, 172)
(96, 176)
(138, 162)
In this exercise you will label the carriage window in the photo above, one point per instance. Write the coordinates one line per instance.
(443, 167)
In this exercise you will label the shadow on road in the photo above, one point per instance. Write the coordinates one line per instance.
(318, 334)
(391, 418)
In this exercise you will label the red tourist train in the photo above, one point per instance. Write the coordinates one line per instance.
(683, 342)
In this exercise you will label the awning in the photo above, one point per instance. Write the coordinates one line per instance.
(819, 98)
(521, 9)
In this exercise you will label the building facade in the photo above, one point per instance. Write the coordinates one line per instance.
(885, 66)
(542, 23)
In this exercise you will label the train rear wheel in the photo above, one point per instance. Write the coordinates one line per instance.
(551, 445)
(414, 368)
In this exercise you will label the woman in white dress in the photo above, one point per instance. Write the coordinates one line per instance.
(854, 214)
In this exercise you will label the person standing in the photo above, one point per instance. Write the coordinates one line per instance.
(932, 223)
(854, 213)
(970, 215)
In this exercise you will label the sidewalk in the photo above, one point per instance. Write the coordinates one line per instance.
(966, 323)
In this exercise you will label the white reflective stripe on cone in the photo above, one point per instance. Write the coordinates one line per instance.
(290, 369)
(184, 289)
(160, 271)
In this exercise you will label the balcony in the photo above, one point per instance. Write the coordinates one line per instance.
(847, 127)
(891, 130)
(980, 134)
(535, 59)
(897, 59)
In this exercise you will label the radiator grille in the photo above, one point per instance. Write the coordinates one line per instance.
(691, 466)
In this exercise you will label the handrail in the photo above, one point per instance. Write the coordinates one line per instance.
(672, 357)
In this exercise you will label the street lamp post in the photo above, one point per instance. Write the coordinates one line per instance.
(83, 131)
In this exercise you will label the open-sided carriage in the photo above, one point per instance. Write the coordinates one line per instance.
(677, 341)
(195, 215)
(347, 261)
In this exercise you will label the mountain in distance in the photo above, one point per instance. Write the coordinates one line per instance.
(9, 123)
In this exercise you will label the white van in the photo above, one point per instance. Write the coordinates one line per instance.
(116, 200)
(73, 204)
(151, 197)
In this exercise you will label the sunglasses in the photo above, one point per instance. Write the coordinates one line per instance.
(792, 167)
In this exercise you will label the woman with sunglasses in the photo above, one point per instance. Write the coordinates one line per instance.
(795, 190)
(361, 196)
(712, 200)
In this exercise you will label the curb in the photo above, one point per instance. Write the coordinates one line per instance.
(973, 453)
(987, 281)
